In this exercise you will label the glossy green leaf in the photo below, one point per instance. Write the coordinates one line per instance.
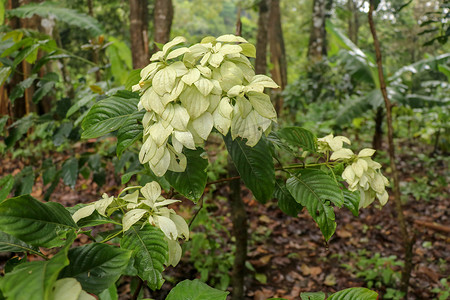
(357, 293)
(69, 16)
(35, 223)
(192, 182)
(108, 115)
(150, 252)
(195, 290)
(133, 78)
(109, 294)
(130, 132)
(96, 266)
(255, 165)
(298, 137)
(8, 243)
(34, 280)
(285, 200)
(314, 189)
(351, 201)
(69, 172)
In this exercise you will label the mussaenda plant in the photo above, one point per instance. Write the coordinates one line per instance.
(184, 94)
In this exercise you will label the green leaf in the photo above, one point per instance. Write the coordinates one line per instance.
(20, 88)
(96, 266)
(69, 172)
(255, 165)
(192, 182)
(109, 294)
(79, 104)
(351, 201)
(8, 243)
(285, 200)
(108, 115)
(150, 252)
(35, 223)
(313, 296)
(69, 16)
(130, 132)
(6, 185)
(133, 78)
(314, 189)
(34, 280)
(299, 137)
(19, 128)
(4, 74)
(195, 290)
(357, 293)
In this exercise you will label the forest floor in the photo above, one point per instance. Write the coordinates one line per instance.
(289, 255)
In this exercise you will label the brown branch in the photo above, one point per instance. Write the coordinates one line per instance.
(407, 240)
(433, 225)
(138, 289)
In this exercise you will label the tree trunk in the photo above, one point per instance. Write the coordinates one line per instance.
(261, 39)
(162, 21)
(353, 21)
(139, 33)
(277, 53)
(378, 135)
(317, 48)
(408, 241)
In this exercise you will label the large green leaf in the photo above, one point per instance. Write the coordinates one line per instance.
(351, 201)
(34, 280)
(354, 108)
(8, 243)
(96, 266)
(195, 290)
(130, 132)
(285, 200)
(314, 189)
(192, 182)
(313, 296)
(69, 16)
(357, 293)
(108, 115)
(298, 137)
(150, 252)
(255, 165)
(35, 223)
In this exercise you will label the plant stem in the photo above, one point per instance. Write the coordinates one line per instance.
(407, 241)
(196, 213)
(239, 219)
(111, 236)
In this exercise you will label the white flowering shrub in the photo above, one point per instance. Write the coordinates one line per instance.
(188, 91)
(184, 94)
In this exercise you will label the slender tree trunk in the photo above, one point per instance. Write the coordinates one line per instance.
(378, 135)
(408, 241)
(317, 48)
(162, 20)
(277, 53)
(353, 21)
(139, 33)
(262, 38)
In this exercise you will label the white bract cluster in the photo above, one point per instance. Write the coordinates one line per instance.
(361, 173)
(145, 203)
(186, 91)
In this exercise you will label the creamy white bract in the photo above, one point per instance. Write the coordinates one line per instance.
(186, 91)
(361, 173)
(145, 203)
